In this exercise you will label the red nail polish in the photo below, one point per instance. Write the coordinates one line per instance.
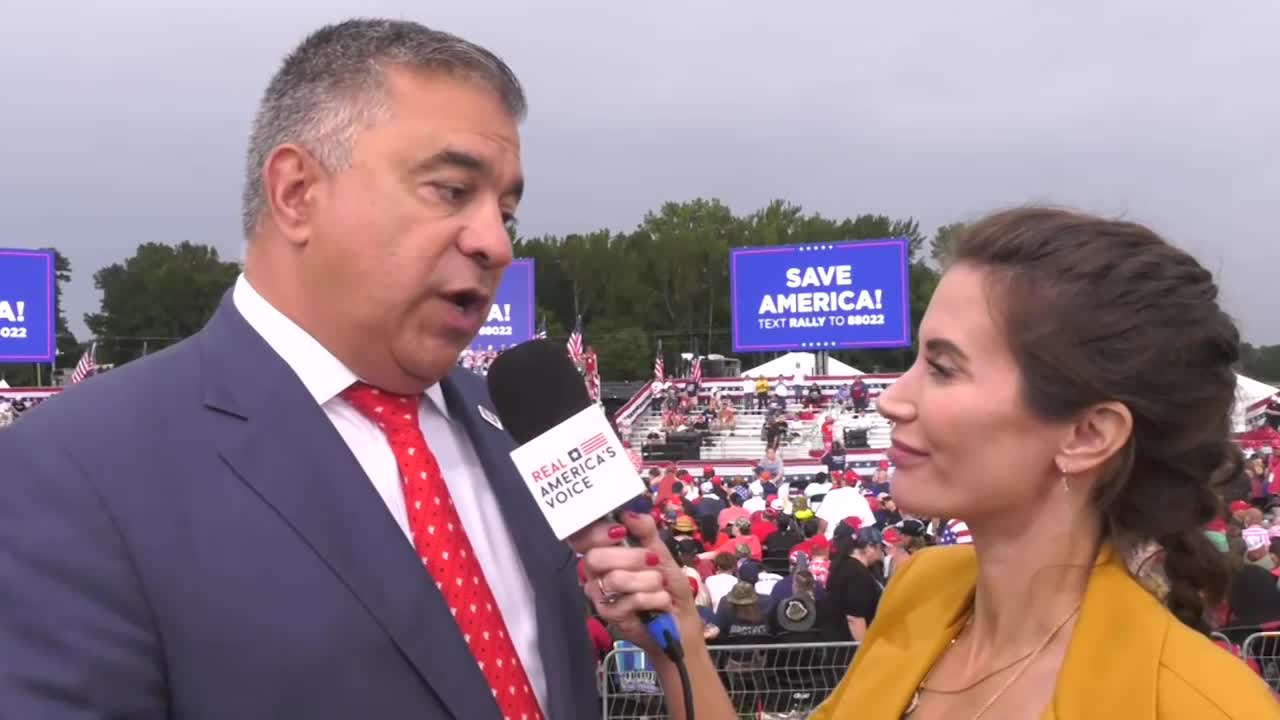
(617, 532)
(582, 571)
(652, 560)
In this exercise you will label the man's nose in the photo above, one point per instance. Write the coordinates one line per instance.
(486, 238)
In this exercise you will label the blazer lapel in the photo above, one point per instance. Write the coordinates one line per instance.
(282, 445)
(546, 560)
(906, 647)
(1096, 680)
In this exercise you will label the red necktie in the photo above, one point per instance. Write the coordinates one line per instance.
(441, 542)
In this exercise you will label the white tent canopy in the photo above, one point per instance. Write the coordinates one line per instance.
(785, 366)
(1249, 392)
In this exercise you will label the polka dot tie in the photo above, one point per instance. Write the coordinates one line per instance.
(441, 543)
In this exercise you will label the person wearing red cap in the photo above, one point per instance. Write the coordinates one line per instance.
(879, 482)
(738, 535)
(820, 558)
(828, 432)
(895, 550)
(762, 527)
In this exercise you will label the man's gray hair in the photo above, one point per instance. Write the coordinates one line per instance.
(332, 85)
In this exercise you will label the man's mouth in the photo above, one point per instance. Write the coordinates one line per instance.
(468, 300)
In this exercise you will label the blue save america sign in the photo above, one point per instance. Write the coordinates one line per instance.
(510, 320)
(821, 297)
(26, 306)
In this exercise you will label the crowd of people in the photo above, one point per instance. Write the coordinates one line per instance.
(1249, 534)
(773, 559)
(479, 361)
(686, 408)
(12, 408)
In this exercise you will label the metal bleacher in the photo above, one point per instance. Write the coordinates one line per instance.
(746, 441)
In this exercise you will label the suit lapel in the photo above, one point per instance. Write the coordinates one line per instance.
(493, 447)
(546, 560)
(288, 452)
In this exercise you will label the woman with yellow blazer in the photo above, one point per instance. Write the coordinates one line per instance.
(1070, 402)
(1128, 657)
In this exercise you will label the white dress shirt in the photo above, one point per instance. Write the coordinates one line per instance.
(325, 377)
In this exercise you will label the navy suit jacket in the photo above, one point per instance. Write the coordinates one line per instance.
(188, 537)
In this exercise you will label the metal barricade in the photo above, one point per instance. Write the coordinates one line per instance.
(771, 681)
(1262, 651)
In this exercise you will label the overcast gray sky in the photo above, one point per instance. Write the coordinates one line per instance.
(125, 121)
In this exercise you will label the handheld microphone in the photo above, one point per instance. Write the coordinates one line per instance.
(568, 453)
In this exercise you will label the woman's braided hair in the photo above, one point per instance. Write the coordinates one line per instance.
(1102, 310)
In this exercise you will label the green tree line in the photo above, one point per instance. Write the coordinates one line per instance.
(668, 279)
(665, 280)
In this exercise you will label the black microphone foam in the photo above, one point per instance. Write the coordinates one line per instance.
(535, 387)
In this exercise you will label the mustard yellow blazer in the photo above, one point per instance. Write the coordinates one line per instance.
(1129, 657)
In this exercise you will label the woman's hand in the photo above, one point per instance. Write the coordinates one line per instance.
(622, 581)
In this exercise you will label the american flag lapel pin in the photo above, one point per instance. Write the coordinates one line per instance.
(489, 417)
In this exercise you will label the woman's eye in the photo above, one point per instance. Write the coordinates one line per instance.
(940, 371)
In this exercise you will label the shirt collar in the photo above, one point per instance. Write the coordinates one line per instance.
(323, 375)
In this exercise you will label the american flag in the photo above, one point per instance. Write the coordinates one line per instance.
(86, 367)
(695, 373)
(659, 368)
(575, 342)
(955, 532)
(593, 443)
(542, 330)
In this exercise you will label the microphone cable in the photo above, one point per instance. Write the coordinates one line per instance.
(662, 629)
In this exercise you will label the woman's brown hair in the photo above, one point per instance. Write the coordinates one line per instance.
(1102, 310)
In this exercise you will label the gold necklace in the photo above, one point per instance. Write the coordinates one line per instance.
(980, 680)
(1009, 683)
(1025, 659)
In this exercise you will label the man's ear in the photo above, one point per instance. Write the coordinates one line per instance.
(290, 179)
(1095, 437)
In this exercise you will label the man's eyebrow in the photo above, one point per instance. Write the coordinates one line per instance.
(944, 346)
(451, 158)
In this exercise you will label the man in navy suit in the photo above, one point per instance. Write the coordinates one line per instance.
(219, 530)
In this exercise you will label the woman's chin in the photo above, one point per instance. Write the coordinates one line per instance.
(915, 495)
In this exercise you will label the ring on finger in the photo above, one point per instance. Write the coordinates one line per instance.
(607, 597)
